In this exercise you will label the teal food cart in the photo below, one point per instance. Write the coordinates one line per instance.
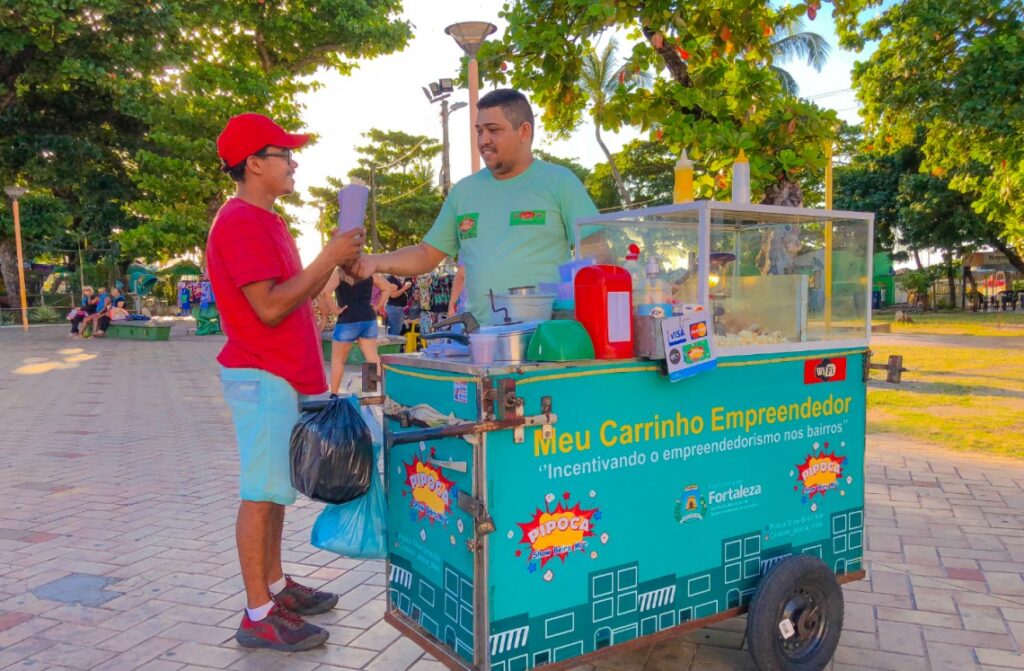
(542, 513)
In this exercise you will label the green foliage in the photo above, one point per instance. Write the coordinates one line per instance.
(648, 171)
(408, 198)
(954, 68)
(913, 209)
(919, 281)
(718, 92)
(113, 107)
(45, 315)
(582, 172)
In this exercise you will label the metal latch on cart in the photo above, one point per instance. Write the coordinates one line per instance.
(475, 508)
(893, 368)
(509, 416)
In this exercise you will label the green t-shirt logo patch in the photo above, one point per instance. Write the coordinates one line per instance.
(528, 218)
(468, 225)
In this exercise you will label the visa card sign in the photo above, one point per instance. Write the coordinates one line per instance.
(688, 344)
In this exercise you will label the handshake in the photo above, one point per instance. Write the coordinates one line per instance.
(346, 250)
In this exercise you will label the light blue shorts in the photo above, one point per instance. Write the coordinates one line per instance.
(355, 331)
(264, 409)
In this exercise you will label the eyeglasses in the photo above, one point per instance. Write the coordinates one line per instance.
(286, 154)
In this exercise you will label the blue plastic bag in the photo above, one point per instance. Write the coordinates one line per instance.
(357, 529)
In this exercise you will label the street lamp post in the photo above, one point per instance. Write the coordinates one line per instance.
(439, 91)
(16, 192)
(469, 35)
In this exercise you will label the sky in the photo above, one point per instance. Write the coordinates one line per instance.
(385, 93)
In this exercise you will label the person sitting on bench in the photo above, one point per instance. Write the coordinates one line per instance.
(102, 303)
(87, 308)
(115, 310)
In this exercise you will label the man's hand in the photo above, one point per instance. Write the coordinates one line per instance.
(345, 248)
(365, 266)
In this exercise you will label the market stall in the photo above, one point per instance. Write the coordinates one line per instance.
(701, 454)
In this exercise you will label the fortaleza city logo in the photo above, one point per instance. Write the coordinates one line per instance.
(693, 506)
(557, 532)
(432, 493)
(820, 473)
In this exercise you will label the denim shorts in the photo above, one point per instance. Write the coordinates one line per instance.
(354, 331)
(264, 409)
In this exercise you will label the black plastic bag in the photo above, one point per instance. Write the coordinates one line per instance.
(332, 451)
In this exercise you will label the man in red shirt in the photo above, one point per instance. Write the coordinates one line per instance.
(270, 361)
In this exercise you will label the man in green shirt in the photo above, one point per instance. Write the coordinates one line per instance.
(511, 224)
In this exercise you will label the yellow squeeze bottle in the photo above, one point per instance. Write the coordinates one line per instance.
(682, 191)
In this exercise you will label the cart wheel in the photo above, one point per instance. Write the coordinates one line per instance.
(796, 616)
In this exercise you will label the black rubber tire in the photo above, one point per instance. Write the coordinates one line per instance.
(804, 587)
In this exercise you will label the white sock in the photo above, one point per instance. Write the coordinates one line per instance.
(276, 588)
(257, 614)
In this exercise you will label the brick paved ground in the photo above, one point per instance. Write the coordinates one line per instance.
(118, 476)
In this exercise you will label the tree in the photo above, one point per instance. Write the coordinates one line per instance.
(114, 107)
(794, 42)
(582, 173)
(647, 168)
(601, 76)
(914, 210)
(66, 72)
(259, 57)
(956, 70)
(717, 94)
(408, 198)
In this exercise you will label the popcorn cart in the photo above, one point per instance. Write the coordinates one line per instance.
(542, 513)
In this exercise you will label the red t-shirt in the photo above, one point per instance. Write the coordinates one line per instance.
(249, 244)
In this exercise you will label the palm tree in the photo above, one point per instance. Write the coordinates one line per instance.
(600, 78)
(795, 42)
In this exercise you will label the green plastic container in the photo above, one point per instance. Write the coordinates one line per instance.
(560, 340)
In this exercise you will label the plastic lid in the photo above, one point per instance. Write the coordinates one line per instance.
(742, 157)
(684, 160)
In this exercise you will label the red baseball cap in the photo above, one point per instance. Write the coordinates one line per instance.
(246, 134)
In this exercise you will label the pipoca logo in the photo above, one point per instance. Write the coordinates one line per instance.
(820, 473)
(557, 532)
(431, 491)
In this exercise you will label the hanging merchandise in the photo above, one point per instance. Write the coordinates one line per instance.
(185, 297)
(440, 293)
(206, 294)
(423, 285)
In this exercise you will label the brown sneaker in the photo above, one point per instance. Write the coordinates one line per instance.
(280, 630)
(303, 600)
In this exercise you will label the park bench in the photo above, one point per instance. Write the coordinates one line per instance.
(138, 331)
(1006, 298)
(355, 356)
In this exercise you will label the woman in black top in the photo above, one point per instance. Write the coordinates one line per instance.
(397, 301)
(349, 299)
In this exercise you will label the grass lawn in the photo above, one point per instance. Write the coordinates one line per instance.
(957, 323)
(958, 397)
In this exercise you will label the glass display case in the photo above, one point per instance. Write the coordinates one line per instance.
(775, 278)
